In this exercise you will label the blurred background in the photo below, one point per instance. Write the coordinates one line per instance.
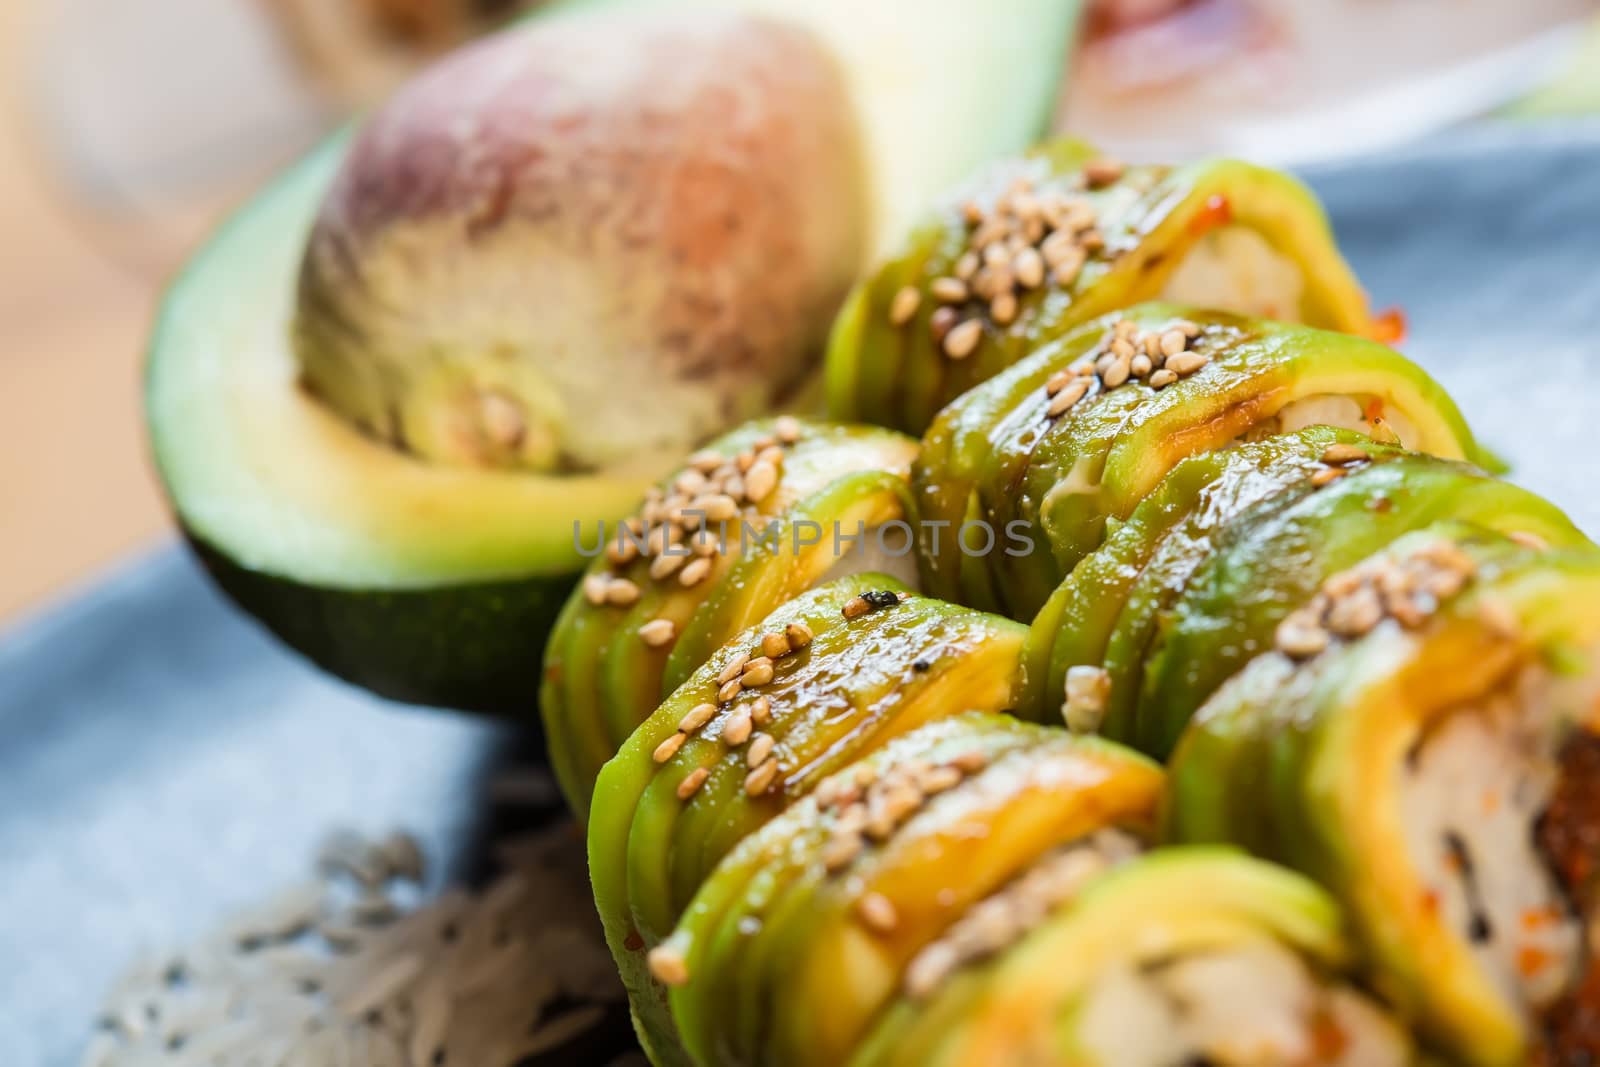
(127, 128)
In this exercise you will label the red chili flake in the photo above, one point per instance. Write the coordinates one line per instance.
(1389, 326)
(1216, 212)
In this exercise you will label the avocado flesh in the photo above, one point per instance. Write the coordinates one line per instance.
(424, 583)
(755, 997)
(1154, 219)
(1019, 1006)
(1272, 561)
(996, 455)
(1170, 532)
(856, 687)
(1301, 762)
(602, 679)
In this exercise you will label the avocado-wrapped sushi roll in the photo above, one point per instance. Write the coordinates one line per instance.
(818, 921)
(1042, 243)
(1178, 956)
(824, 680)
(761, 514)
(1175, 646)
(1043, 456)
(1422, 740)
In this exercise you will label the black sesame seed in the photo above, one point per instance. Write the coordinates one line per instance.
(921, 665)
(880, 598)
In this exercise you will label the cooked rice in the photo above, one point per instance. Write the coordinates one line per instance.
(339, 972)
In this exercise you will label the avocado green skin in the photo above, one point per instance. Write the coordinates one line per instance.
(1018, 1007)
(601, 680)
(996, 455)
(1272, 561)
(855, 687)
(772, 936)
(893, 376)
(1172, 529)
(1298, 763)
(469, 647)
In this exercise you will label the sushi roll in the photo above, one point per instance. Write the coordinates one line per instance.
(1071, 439)
(827, 915)
(1422, 741)
(826, 679)
(763, 513)
(1041, 244)
(1175, 956)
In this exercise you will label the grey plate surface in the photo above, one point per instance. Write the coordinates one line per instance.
(161, 759)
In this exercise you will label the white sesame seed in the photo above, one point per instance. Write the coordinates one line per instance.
(734, 668)
(904, 305)
(621, 592)
(1162, 378)
(757, 674)
(1340, 454)
(877, 912)
(697, 717)
(736, 730)
(694, 572)
(963, 340)
(1186, 363)
(594, 588)
(1067, 397)
(729, 691)
(948, 290)
(669, 748)
(1028, 267)
(692, 782)
(1140, 366)
(760, 481)
(788, 429)
(658, 632)
(760, 780)
(1003, 309)
(664, 566)
(799, 635)
(761, 746)
(774, 645)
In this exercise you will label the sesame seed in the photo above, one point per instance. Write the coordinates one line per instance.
(1162, 378)
(697, 717)
(948, 290)
(621, 552)
(666, 565)
(761, 711)
(694, 572)
(1067, 273)
(1355, 614)
(798, 634)
(761, 746)
(774, 645)
(760, 780)
(936, 780)
(840, 851)
(729, 691)
(1140, 366)
(1301, 636)
(744, 461)
(692, 782)
(621, 592)
(736, 730)
(963, 340)
(1186, 363)
(1057, 382)
(1341, 454)
(972, 212)
(734, 668)
(1172, 342)
(594, 588)
(1091, 240)
(877, 912)
(1003, 309)
(941, 322)
(904, 305)
(717, 507)
(706, 460)
(1102, 171)
(1029, 267)
(1118, 373)
(971, 761)
(1326, 475)
(788, 429)
(995, 254)
(668, 966)
(757, 674)
(856, 607)
(1067, 397)
(668, 748)
(760, 481)
(658, 632)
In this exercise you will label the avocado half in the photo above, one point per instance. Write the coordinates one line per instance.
(422, 582)
(438, 584)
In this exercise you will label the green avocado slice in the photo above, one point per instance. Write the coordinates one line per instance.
(1302, 760)
(602, 677)
(1161, 543)
(422, 582)
(776, 932)
(1051, 484)
(1023, 1005)
(1222, 217)
(1272, 561)
(859, 683)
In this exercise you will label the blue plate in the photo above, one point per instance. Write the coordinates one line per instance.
(161, 759)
